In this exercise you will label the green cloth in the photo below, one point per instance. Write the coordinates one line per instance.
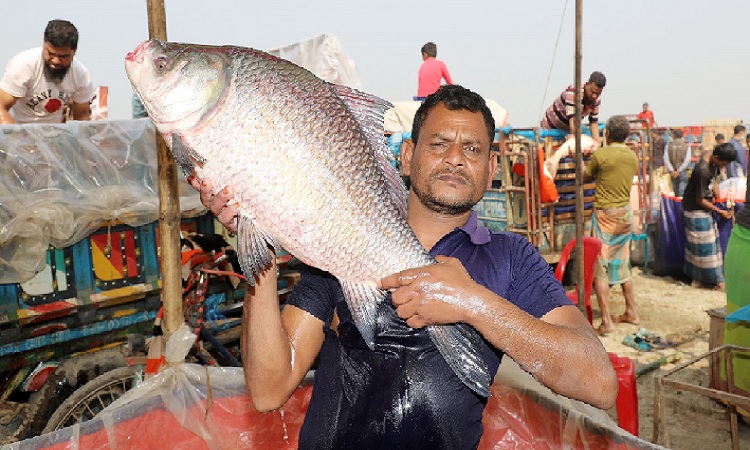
(613, 167)
(737, 279)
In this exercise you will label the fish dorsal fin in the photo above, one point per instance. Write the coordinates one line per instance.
(253, 248)
(368, 111)
(185, 156)
(363, 301)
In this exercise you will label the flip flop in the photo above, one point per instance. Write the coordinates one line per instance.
(636, 343)
(622, 318)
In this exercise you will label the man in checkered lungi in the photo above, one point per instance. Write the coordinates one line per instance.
(613, 167)
(703, 256)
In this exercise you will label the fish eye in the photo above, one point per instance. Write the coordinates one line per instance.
(161, 62)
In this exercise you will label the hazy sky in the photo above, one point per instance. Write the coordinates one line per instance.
(689, 59)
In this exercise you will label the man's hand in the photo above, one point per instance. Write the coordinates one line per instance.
(724, 213)
(441, 293)
(219, 204)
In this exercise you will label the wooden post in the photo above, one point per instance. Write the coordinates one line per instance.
(579, 162)
(169, 203)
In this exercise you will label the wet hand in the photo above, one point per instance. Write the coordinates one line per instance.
(220, 204)
(441, 293)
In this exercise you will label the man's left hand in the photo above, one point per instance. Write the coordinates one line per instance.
(441, 293)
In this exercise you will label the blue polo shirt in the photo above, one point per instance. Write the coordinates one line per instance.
(402, 394)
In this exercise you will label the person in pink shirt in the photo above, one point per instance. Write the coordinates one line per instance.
(431, 72)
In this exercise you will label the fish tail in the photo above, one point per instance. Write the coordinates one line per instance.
(363, 300)
(459, 345)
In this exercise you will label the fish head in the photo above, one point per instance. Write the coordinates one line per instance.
(178, 84)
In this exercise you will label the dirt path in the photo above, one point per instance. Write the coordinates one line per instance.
(672, 309)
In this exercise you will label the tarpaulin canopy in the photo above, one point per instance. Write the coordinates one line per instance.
(325, 57)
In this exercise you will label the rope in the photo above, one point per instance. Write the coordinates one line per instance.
(554, 53)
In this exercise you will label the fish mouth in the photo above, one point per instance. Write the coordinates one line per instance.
(136, 55)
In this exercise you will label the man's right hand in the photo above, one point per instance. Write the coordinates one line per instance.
(725, 213)
(219, 203)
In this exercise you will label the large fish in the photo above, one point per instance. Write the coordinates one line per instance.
(308, 162)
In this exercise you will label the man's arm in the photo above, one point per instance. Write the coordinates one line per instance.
(686, 161)
(594, 127)
(6, 102)
(447, 75)
(278, 346)
(667, 162)
(709, 206)
(702, 201)
(81, 111)
(561, 349)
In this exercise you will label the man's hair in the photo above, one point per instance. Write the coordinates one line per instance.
(61, 33)
(618, 128)
(739, 129)
(598, 79)
(720, 136)
(430, 49)
(725, 152)
(454, 97)
(677, 133)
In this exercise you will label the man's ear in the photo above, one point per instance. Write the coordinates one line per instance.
(407, 151)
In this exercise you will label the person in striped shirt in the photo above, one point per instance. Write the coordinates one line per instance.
(561, 114)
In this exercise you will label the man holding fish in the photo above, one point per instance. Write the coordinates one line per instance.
(401, 394)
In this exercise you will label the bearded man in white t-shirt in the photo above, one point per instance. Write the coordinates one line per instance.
(39, 83)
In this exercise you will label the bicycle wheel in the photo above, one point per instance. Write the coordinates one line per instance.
(93, 397)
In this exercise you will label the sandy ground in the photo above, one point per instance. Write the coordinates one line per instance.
(677, 312)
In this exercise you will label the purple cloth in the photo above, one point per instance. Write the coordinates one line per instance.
(403, 395)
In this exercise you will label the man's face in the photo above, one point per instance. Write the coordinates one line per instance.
(57, 60)
(718, 163)
(450, 167)
(591, 92)
(645, 107)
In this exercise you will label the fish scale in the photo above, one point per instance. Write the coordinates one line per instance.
(309, 164)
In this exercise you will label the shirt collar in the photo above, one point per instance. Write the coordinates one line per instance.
(478, 233)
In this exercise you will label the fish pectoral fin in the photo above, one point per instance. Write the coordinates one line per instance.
(186, 157)
(459, 345)
(253, 248)
(363, 300)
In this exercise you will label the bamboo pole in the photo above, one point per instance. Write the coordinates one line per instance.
(579, 161)
(169, 203)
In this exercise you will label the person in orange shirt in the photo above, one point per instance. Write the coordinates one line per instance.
(647, 116)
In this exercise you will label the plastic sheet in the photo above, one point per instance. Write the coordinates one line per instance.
(198, 407)
(60, 182)
(325, 57)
